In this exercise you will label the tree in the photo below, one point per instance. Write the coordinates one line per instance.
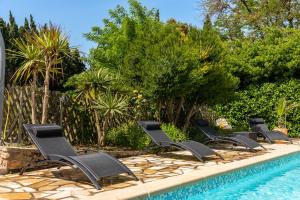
(30, 68)
(89, 86)
(11, 31)
(269, 59)
(53, 46)
(237, 19)
(171, 63)
(32, 24)
(111, 107)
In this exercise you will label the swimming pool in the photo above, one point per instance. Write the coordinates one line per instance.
(274, 179)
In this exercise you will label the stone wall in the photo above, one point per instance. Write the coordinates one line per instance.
(12, 159)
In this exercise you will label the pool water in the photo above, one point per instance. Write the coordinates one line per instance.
(270, 180)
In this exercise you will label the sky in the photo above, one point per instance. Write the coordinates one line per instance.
(77, 17)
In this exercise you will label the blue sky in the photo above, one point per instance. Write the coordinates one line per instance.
(76, 17)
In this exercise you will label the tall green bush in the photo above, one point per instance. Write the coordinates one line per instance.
(174, 133)
(130, 134)
(176, 66)
(261, 101)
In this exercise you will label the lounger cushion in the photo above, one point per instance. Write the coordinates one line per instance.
(257, 121)
(48, 131)
(201, 122)
(151, 125)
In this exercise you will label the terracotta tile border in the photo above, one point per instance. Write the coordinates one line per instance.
(142, 190)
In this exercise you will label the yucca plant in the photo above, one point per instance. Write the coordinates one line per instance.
(88, 86)
(110, 107)
(30, 68)
(53, 46)
(282, 109)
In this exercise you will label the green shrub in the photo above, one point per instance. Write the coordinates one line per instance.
(261, 101)
(173, 132)
(128, 134)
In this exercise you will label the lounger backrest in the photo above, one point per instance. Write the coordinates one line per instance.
(203, 125)
(152, 128)
(258, 125)
(49, 139)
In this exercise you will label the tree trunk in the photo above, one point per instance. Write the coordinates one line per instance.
(103, 133)
(46, 94)
(33, 97)
(98, 127)
(169, 110)
(189, 116)
(179, 109)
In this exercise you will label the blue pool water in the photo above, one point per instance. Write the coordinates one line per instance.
(270, 180)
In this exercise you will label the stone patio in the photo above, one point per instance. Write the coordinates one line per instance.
(66, 183)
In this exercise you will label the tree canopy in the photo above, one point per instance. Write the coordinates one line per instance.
(12, 31)
(236, 19)
(174, 64)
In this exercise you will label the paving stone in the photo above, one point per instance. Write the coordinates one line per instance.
(15, 196)
(12, 185)
(47, 188)
(60, 195)
(68, 188)
(40, 195)
(29, 181)
(3, 190)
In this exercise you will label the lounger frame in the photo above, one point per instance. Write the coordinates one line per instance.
(72, 160)
(263, 130)
(213, 137)
(188, 145)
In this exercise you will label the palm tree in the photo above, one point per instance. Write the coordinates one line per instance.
(30, 68)
(111, 107)
(53, 46)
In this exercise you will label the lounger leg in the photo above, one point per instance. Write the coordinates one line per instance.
(24, 169)
(157, 152)
(133, 175)
(220, 156)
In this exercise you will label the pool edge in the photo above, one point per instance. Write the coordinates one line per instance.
(142, 190)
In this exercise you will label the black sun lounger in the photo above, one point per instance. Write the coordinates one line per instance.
(160, 139)
(54, 148)
(258, 125)
(213, 136)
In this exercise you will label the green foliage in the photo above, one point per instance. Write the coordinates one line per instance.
(281, 111)
(272, 58)
(238, 19)
(111, 106)
(129, 135)
(174, 133)
(283, 107)
(174, 65)
(11, 32)
(261, 101)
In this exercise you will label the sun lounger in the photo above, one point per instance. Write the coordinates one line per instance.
(161, 140)
(213, 136)
(54, 147)
(258, 125)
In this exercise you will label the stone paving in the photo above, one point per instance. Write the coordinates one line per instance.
(66, 183)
